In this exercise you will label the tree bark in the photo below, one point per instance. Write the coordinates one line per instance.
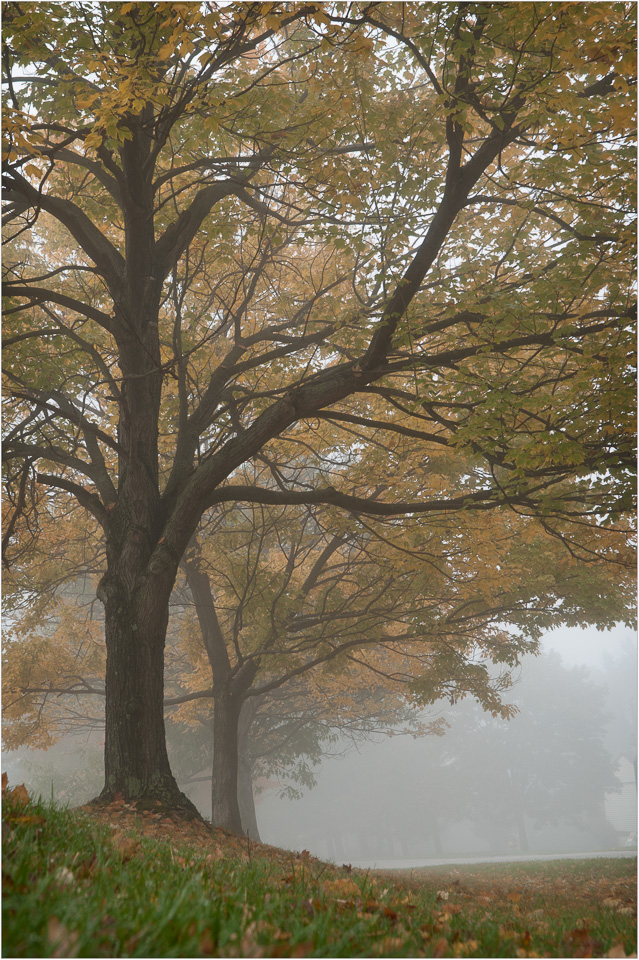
(245, 796)
(226, 714)
(135, 755)
(230, 686)
(246, 799)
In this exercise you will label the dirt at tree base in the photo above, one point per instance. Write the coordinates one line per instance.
(172, 826)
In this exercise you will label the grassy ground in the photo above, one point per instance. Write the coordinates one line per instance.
(115, 884)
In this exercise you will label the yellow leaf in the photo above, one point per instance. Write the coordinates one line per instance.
(93, 141)
(85, 102)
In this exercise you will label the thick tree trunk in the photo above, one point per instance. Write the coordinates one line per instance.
(136, 760)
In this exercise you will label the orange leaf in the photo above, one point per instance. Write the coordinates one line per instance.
(127, 847)
(206, 946)
(19, 795)
(342, 888)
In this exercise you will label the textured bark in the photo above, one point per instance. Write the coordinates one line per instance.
(136, 760)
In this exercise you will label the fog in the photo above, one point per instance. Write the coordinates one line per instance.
(558, 777)
(549, 780)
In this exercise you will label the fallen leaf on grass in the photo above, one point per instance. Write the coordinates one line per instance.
(127, 847)
(464, 948)
(249, 945)
(447, 911)
(28, 819)
(616, 951)
(302, 949)
(535, 915)
(206, 946)
(581, 943)
(526, 940)
(62, 940)
(311, 907)
(388, 944)
(373, 906)
(18, 796)
(5, 782)
(86, 868)
(342, 888)
(64, 877)
(182, 861)
(440, 947)
(344, 904)
(514, 897)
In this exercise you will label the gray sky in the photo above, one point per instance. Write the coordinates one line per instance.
(588, 647)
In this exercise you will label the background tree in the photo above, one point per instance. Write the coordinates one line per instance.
(444, 188)
(548, 765)
(617, 676)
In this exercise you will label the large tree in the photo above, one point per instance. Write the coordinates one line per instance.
(231, 226)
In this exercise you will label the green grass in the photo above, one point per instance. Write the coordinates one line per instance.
(70, 890)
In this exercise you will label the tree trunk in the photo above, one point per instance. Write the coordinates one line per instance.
(230, 686)
(226, 715)
(247, 800)
(136, 760)
(245, 794)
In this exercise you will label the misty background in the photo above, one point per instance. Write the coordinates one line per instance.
(561, 776)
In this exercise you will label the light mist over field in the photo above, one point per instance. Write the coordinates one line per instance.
(559, 777)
